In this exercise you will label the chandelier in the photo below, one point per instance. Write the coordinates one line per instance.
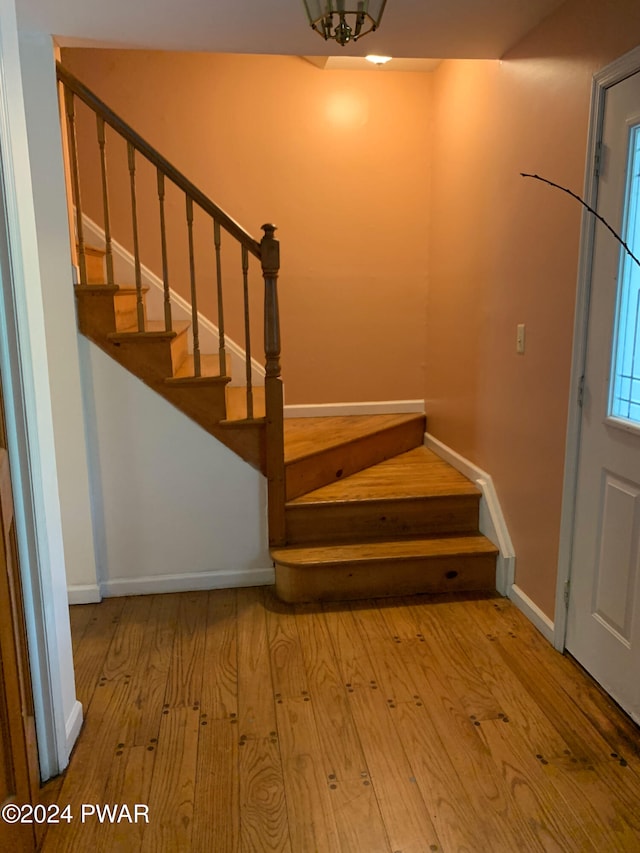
(344, 20)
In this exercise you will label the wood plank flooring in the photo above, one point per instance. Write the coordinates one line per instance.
(400, 725)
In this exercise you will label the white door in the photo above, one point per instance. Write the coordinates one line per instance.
(603, 623)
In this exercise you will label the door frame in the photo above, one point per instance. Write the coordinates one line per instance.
(615, 72)
(30, 436)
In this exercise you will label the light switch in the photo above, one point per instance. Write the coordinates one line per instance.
(520, 338)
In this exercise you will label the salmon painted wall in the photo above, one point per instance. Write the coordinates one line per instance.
(503, 251)
(338, 160)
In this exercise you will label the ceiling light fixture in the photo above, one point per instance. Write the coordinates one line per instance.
(344, 20)
(378, 60)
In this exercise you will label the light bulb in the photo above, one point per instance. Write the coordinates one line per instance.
(378, 60)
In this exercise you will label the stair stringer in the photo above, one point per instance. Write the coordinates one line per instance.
(124, 272)
(247, 438)
(172, 510)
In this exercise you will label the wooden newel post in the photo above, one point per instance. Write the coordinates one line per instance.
(270, 257)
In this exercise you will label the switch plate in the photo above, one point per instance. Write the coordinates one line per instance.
(520, 338)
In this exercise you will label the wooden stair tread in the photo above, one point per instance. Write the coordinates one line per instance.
(103, 287)
(304, 437)
(418, 473)
(130, 289)
(92, 250)
(153, 328)
(376, 569)
(96, 288)
(325, 555)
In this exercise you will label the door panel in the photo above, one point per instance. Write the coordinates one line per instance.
(603, 624)
(616, 564)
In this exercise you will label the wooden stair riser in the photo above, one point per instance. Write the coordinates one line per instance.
(94, 260)
(381, 579)
(95, 309)
(126, 309)
(236, 398)
(153, 358)
(209, 368)
(204, 403)
(103, 309)
(333, 463)
(356, 521)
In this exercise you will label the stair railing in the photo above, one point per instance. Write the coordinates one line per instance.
(266, 251)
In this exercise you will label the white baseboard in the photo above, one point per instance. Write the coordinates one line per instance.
(124, 272)
(493, 526)
(155, 584)
(83, 594)
(328, 410)
(73, 726)
(492, 520)
(532, 612)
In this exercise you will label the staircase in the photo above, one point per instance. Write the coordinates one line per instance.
(371, 512)
(107, 315)
(358, 507)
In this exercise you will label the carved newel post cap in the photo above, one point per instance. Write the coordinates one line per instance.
(270, 252)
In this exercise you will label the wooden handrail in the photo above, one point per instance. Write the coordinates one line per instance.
(113, 120)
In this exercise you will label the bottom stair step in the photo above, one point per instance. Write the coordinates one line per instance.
(379, 569)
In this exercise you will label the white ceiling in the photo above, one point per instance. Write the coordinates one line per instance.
(435, 29)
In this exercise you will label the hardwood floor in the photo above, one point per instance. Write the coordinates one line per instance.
(409, 725)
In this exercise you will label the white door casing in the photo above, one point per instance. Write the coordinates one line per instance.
(29, 425)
